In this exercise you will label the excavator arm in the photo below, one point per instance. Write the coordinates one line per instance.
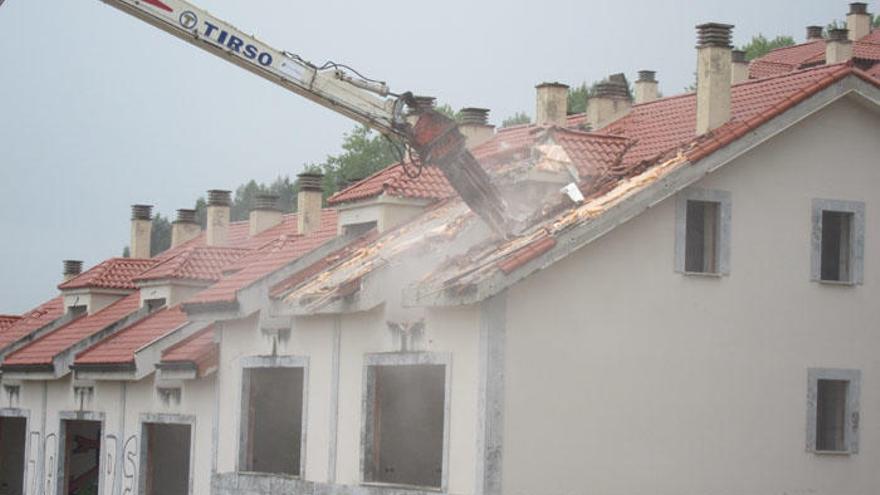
(435, 137)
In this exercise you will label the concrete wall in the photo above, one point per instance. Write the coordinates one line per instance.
(333, 447)
(625, 377)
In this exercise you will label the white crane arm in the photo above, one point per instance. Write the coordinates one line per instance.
(366, 101)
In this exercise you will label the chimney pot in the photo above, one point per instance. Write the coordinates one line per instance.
(814, 32)
(552, 108)
(838, 34)
(72, 268)
(219, 197)
(309, 201)
(714, 75)
(185, 227)
(739, 69)
(738, 56)
(859, 8)
(141, 212)
(266, 202)
(714, 34)
(647, 76)
(186, 216)
(471, 115)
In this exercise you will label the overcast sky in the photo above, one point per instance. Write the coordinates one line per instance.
(99, 110)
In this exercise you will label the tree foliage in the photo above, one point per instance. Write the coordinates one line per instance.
(760, 45)
(518, 118)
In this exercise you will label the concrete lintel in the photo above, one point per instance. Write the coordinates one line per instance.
(268, 484)
(384, 199)
(685, 175)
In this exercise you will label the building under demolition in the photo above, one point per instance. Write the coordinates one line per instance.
(685, 306)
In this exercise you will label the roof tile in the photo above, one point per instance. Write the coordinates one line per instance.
(201, 263)
(33, 320)
(198, 349)
(121, 346)
(115, 273)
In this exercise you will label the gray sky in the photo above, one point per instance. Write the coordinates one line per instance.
(99, 110)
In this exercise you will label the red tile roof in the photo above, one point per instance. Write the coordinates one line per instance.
(203, 264)
(669, 123)
(394, 181)
(7, 321)
(262, 262)
(32, 320)
(198, 349)
(115, 273)
(44, 349)
(790, 58)
(121, 346)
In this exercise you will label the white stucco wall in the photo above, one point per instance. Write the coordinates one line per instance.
(624, 377)
(455, 332)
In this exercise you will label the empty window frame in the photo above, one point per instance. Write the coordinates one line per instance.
(13, 447)
(702, 241)
(838, 241)
(833, 411)
(405, 420)
(80, 460)
(273, 415)
(166, 463)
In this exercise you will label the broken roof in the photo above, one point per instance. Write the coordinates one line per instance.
(395, 181)
(658, 140)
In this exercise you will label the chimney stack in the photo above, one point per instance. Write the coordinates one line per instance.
(739, 68)
(814, 33)
(309, 201)
(552, 104)
(473, 123)
(713, 75)
(646, 87)
(858, 21)
(838, 47)
(219, 203)
(141, 231)
(72, 268)
(265, 214)
(184, 228)
(610, 102)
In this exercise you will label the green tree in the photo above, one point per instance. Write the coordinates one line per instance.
(160, 238)
(760, 45)
(518, 118)
(364, 152)
(578, 97)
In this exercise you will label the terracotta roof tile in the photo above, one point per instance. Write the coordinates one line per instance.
(199, 349)
(803, 55)
(121, 346)
(203, 264)
(44, 349)
(393, 180)
(33, 320)
(272, 256)
(7, 321)
(115, 273)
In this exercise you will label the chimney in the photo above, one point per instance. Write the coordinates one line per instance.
(309, 201)
(219, 202)
(838, 47)
(422, 103)
(814, 33)
(739, 68)
(552, 104)
(184, 227)
(473, 123)
(610, 102)
(646, 87)
(713, 75)
(141, 231)
(265, 214)
(858, 21)
(72, 268)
